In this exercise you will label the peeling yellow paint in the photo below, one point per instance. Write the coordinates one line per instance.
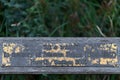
(12, 44)
(109, 47)
(112, 61)
(17, 50)
(56, 50)
(53, 63)
(51, 60)
(5, 60)
(8, 48)
(95, 61)
(12, 47)
(87, 47)
(114, 48)
(39, 59)
(89, 58)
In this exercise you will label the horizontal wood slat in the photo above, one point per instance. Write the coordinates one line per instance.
(59, 55)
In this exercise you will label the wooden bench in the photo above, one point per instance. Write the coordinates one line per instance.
(59, 55)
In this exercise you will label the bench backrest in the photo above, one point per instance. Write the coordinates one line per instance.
(59, 55)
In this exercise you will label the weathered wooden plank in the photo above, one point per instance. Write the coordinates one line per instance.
(59, 55)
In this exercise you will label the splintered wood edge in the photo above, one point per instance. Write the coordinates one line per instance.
(59, 70)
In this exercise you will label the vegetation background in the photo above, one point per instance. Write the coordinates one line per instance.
(59, 18)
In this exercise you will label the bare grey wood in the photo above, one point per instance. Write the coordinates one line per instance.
(59, 55)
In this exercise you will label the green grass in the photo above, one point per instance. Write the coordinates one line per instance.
(59, 18)
(60, 77)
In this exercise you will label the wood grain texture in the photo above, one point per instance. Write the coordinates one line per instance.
(59, 55)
